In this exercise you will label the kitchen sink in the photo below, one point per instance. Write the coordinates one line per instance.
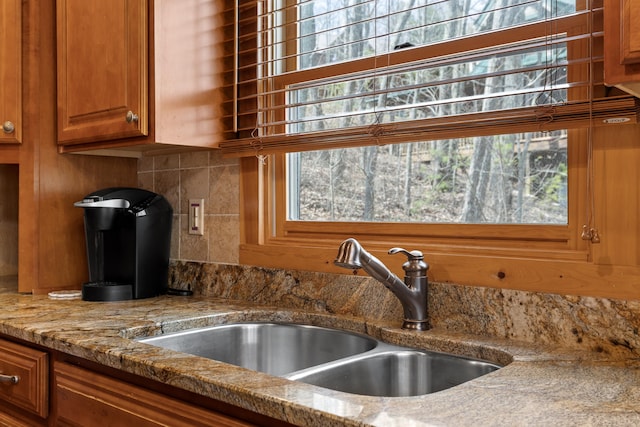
(330, 358)
(397, 373)
(273, 348)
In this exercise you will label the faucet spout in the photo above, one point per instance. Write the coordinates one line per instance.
(412, 292)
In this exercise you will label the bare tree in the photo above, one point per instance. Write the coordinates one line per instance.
(482, 170)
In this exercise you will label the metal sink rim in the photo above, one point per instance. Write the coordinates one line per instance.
(266, 346)
(386, 351)
(380, 349)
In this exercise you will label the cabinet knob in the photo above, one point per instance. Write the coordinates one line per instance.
(131, 117)
(9, 379)
(8, 127)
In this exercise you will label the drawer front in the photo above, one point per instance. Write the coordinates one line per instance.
(25, 377)
(87, 398)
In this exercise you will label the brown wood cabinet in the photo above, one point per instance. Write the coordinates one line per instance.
(87, 398)
(11, 71)
(142, 75)
(102, 70)
(622, 45)
(630, 43)
(43, 387)
(24, 383)
(51, 250)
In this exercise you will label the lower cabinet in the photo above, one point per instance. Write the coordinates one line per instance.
(43, 387)
(87, 398)
(24, 384)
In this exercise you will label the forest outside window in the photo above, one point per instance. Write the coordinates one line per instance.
(505, 179)
(428, 120)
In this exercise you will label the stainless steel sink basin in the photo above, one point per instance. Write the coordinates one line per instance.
(272, 348)
(397, 373)
(329, 358)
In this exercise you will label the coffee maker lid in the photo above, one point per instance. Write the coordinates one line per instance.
(95, 202)
(118, 197)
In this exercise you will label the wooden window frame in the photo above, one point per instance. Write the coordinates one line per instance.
(531, 257)
(547, 258)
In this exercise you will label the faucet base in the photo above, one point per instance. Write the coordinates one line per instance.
(416, 325)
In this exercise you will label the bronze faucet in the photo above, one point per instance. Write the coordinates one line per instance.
(412, 293)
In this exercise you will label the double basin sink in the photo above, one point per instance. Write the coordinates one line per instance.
(330, 358)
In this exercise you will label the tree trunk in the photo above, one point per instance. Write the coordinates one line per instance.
(369, 166)
(407, 180)
(478, 181)
(523, 166)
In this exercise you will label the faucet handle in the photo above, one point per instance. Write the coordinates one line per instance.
(412, 256)
(415, 266)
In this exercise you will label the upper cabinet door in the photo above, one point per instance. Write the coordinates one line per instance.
(622, 45)
(102, 70)
(10, 71)
(630, 34)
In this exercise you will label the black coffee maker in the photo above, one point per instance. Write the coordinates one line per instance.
(128, 236)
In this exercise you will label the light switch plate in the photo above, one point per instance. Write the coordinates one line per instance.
(196, 216)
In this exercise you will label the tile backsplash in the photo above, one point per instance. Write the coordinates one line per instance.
(198, 175)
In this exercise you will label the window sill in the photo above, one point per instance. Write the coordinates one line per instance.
(566, 273)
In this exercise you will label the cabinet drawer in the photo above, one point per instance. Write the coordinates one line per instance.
(31, 371)
(88, 398)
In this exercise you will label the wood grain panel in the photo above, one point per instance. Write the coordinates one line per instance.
(630, 44)
(176, 57)
(86, 398)
(616, 160)
(11, 70)
(102, 69)
(9, 220)
(625, 76)
(31, 367)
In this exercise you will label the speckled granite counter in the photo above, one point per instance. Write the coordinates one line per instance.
(541, 384)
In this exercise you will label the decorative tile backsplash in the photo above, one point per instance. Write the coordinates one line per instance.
(582, 323)
(198, 175)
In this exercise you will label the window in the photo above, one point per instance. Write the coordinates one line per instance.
(493, 178)
(455, 126)
(509, 179)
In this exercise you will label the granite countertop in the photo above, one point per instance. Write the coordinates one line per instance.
(538, 386)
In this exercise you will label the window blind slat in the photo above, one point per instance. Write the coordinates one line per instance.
(424, 92)
(602, 112)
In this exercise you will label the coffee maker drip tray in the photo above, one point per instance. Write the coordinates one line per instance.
(106, 291)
